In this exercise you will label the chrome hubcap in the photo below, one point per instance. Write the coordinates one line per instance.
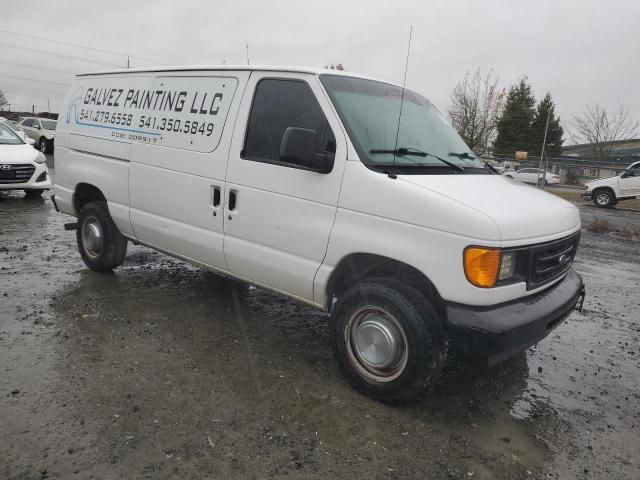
(92, 237)
(603, 199)
(377, 345)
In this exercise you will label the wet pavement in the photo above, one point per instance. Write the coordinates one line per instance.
(163, 370)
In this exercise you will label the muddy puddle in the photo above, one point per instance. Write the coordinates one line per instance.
(162, 370)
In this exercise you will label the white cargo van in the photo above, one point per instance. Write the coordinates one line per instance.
(305, 182)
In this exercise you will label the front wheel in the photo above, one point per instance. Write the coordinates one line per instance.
(387, 339)
(101, 244)
(603, 199)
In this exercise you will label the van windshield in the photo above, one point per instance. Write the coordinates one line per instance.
(427, 143)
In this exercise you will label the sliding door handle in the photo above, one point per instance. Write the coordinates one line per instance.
(216, 198)
(233, 200)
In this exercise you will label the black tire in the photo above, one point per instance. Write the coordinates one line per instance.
(44, 145)
(34, 193)
(604, 198)
(104, 255)
(417, 325)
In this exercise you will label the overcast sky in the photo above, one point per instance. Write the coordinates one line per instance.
(583, 52)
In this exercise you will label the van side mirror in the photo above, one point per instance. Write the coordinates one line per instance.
(298, 148)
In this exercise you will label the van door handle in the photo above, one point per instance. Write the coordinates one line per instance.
(216, 196)
(233, 200)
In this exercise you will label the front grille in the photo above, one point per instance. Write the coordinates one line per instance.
(551, 260)
(18, 173)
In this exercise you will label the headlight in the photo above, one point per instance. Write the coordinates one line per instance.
(40, 158)
(507, 265)
(484, 267)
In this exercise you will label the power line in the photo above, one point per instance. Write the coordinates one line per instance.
(26, 65)
(60, 55)
(32, 80)
(80, 46)
(24, 95)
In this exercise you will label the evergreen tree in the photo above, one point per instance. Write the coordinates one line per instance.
(545, 108)
(514, 126)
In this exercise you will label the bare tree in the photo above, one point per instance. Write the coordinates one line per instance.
(476, 106)
(3, 101)
(602, 129)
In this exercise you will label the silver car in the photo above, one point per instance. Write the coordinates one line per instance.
(41, 130)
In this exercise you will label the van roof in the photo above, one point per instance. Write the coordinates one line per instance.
(205, 68)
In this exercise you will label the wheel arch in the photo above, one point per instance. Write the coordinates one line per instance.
(607, 188)
(85, 193)
(356, 267)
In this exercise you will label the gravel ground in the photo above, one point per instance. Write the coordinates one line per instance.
(162, 370)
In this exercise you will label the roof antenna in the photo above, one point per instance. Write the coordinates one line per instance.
(246, 44)
(404, 82)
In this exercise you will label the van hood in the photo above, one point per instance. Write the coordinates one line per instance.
(23, 153)
(520, 212)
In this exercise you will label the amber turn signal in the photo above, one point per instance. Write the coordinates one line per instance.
(482, 265)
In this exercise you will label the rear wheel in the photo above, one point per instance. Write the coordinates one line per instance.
(387, 340)
(603, 198)
(101, 244)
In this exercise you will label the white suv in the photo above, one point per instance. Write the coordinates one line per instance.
(21, 166)
(607, 192)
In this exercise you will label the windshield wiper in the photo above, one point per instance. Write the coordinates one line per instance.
(463, 155)
(404, 151)
(469, 156)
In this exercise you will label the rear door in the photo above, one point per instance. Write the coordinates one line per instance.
(277, 217)
(179, 161)
(528, 175)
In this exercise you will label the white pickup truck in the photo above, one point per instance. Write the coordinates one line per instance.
(606, 192)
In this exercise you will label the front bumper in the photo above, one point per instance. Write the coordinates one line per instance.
(501, 331)
(39, 180)
(587, 194)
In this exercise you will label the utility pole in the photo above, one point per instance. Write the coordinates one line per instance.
(544, 143)
(128, 63)
(48, 108)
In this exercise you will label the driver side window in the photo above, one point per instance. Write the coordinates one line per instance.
(277, 105)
